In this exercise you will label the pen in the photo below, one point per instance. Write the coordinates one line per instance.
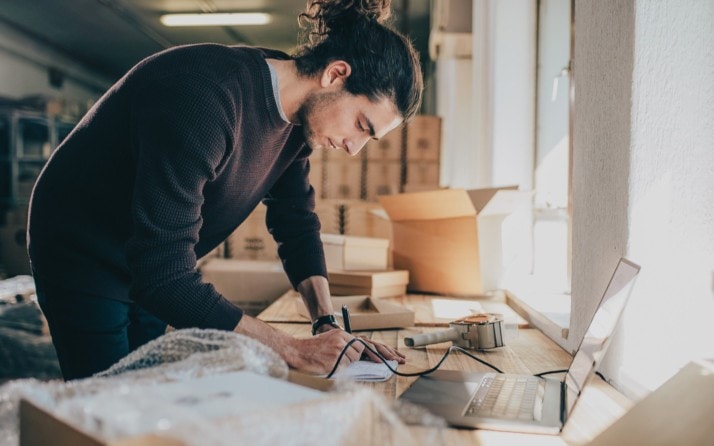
(346, 318)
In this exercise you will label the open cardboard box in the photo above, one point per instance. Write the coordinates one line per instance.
(367, 313)
(436, 235)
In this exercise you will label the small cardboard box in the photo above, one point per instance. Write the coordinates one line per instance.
(383, 178)
(367, 313)
(349, 253)
(422, 175)
(372, 283)
(252, 285)
(342, 179)
(251, 240)
(389, 147)
(316, 177)
(353, 217)
(424, 138)
(332, 217)
(364, 220)
(435, 235)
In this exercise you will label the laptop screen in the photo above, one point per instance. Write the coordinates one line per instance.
(597, 337)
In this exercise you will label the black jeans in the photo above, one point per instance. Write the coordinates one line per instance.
(90, 333)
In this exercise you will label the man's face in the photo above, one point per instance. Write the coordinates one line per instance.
(339, 120)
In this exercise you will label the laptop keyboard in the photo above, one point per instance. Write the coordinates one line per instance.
(511, 397)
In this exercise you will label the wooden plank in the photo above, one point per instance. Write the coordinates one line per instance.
(284, 309)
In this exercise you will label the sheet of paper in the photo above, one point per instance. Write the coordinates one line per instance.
(367, 371)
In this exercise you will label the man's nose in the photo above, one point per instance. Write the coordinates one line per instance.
(354, 146)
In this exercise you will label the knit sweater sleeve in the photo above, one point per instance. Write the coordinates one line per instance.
(292, 221)
(182, 129)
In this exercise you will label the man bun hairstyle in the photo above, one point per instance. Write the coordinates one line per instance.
(384, 62)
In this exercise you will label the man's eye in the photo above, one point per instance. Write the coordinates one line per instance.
(361, 127)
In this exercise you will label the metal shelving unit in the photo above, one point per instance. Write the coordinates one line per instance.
(27, 139)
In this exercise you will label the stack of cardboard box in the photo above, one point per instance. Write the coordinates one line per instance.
(423, 152)
(362, 265)
(406, 159)
(342, 175)
(251, 240)
(383, 170)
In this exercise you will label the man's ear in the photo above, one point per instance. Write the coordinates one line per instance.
(335, 73)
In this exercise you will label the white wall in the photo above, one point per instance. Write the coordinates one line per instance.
(643, 181)
(24, 66)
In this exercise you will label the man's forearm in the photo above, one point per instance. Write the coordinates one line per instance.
(315, 292)
(281, 342)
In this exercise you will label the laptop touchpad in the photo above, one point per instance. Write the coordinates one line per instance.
(432, 391)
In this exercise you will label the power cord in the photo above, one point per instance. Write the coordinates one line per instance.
(425, 372)
(542, 374)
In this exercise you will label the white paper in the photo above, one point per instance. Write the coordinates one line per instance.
(367, 371)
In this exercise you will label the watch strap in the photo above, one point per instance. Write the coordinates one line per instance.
(322, 320)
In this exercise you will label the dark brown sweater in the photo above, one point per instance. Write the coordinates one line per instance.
(162, 169)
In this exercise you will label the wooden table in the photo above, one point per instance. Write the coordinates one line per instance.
(529, 352)
(429, 310)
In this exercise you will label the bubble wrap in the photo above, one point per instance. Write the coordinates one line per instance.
(16, 289)
(350, 415)
(353, 418)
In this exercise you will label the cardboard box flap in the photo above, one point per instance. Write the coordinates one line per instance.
(505, 202)
(337, 239)
(481, 197)
(431, 205)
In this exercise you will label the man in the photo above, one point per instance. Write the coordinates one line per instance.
(178, 153)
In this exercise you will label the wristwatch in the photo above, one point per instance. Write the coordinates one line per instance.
(322, 320)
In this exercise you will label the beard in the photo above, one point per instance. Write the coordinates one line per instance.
(307, 111)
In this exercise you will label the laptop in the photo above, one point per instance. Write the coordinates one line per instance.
(525, 403)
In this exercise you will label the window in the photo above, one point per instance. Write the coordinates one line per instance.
(545, 294)
(553, 147)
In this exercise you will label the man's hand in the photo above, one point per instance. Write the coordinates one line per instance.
(389, 353)
(317, 354)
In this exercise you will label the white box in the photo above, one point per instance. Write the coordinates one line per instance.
(349, 253)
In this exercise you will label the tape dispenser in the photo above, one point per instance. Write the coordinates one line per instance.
(476, 332)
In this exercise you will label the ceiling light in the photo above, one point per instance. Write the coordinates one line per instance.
(216, 19)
